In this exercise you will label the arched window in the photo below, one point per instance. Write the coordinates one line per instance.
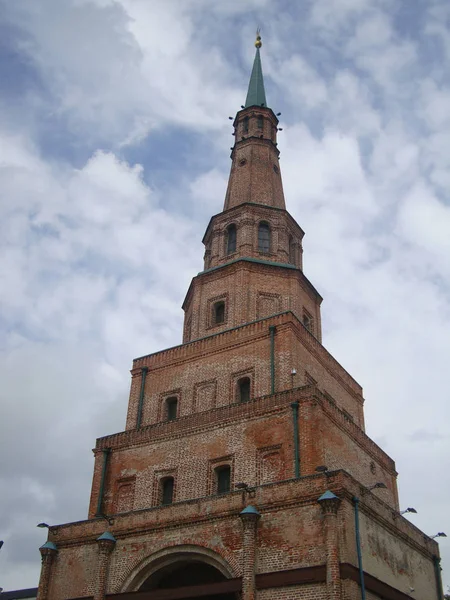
(260, 122)
(291, 250)
(172, 408)
(219, 312)
(264, 237)
(231, 239)
(243, 389)
(167, 485)
(223, 479)
(245, 124)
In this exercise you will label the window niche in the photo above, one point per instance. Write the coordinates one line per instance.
(171, 408)
(264, 237)
(230, 243)
(167, 486)
(217, 311)
(291, 250)
(243, 389)
(308, 321)
(218, 316)
(222, 479)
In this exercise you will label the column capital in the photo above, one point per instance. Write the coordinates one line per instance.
(329, 503)
(106, 542)
(249, 515)
(48, 551)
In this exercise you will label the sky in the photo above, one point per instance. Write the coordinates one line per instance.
(114, 154)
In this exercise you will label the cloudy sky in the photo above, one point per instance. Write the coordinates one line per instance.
(114, 153)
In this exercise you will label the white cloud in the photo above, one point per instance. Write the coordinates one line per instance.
(95, 261)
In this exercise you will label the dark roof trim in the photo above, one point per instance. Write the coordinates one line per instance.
(18, 594)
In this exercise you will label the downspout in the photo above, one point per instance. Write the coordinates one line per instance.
(358, 548)
(141, 397)
(294, 407)
(101, 492)
(272, 329)
(437, 572)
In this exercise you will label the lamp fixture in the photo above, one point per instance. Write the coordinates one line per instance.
(109, 520)
(293, 371)
(241, 486)
(440, 534)
(378, 486)
(408, 510)
(321, 469)
(46, 526)
(278, 114)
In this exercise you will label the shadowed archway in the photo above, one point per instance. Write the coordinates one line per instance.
(186, 572)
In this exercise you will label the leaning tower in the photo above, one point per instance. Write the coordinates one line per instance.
(244, 470)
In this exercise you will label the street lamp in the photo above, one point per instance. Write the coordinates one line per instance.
(321, 469)
(408, 510)
(46, 526)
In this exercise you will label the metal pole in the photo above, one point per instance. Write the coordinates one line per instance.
(437, 571)
(294, 407)
(358, 549)
(272, 329)
(141, 397)
(101, 492)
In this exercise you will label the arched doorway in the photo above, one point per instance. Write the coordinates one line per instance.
(185, 573)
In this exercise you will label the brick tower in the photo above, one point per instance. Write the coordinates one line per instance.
(244, 470)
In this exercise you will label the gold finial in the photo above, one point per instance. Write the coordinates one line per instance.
(258, 42)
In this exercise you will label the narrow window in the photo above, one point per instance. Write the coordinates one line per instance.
(246, 125)
(219, 313)
(260, 122)
(264, 237)
(231, 239)
(167, 490)
(172, 408)
(291, 251)
(244, 389)
(223, 476)
(308, 321)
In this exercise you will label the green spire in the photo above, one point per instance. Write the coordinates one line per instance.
(256, 95)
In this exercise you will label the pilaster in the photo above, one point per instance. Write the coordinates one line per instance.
(48, 553)
(249, 517)
(106, 543)
(329, 504)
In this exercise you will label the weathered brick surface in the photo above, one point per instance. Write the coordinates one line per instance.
(295, 592)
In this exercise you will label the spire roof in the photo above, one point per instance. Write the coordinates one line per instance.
(256, 95)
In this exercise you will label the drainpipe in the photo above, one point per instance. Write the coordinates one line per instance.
(141, 397)
(272, 329)
(294, 407)
(358, 548)
(101, 492)
(437, 572)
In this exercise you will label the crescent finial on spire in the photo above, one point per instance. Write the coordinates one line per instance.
(258, 42)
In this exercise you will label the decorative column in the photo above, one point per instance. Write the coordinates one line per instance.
(249, 517)
(48, 552)
(106, 543)
(329, 503)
